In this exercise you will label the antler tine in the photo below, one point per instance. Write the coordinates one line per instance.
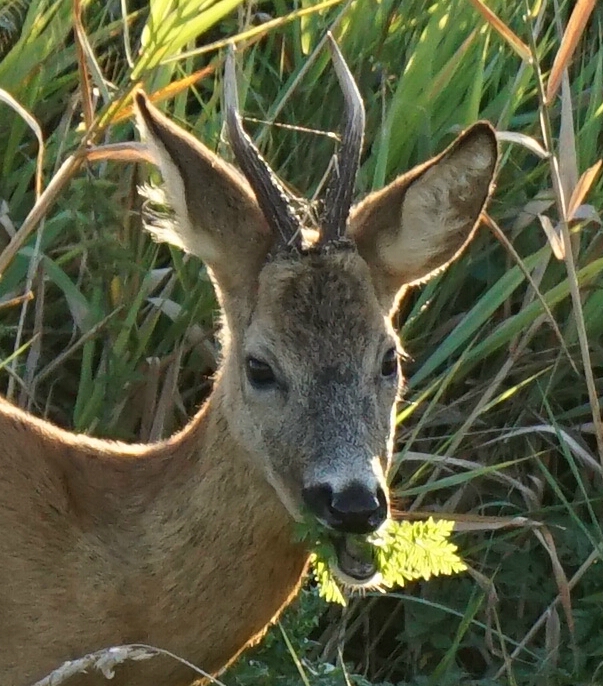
(340, 186)
(271, 196)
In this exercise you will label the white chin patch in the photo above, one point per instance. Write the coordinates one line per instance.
(371, 582)
(355, 564)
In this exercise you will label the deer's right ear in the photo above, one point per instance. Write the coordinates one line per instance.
(421, 222)
(218, 217)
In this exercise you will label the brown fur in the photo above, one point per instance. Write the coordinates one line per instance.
(187, 544)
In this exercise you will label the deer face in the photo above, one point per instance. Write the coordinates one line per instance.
(310, 373)
(318, 377)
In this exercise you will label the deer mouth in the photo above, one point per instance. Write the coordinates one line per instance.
(355, 562)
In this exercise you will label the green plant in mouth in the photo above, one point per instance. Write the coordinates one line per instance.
(401, 552)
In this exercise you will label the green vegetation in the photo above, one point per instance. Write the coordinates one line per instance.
(401, 552)
(500, 428)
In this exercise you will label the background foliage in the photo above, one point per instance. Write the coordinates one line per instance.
(103, 331)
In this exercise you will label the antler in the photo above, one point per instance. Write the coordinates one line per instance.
(271, 196)
(340, 184)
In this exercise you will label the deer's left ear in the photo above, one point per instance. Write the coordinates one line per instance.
(422, 221)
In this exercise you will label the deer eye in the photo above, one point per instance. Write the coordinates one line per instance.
(389, 364)
(259, 374)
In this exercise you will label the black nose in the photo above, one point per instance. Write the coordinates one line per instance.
(355, 510)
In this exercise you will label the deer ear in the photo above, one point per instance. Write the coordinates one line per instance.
(422, 221)
(218, 218)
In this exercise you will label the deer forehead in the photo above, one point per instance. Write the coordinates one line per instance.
(319, 306)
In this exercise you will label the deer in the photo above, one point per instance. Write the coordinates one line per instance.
(187, 544)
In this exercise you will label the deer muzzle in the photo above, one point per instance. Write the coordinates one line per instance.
(349, 514)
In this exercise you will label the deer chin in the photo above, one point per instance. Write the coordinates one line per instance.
(355, 563)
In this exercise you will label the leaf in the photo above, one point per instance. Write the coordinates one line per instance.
(416, 550)
(172, 25)
(581, 189)
(479, 315)
(501, 28)
(404, 551)
(553, 235)
(575, 27)
(527, 141)
(31, 121)
(568, 156)
(327, 586)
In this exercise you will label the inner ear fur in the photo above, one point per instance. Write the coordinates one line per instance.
(218, 218)
(423, 220)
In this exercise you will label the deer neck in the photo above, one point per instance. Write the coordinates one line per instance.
(208, 539)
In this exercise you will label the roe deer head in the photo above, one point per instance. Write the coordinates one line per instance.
(187, 544)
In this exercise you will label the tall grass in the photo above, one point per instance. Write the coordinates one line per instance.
(103, 331)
